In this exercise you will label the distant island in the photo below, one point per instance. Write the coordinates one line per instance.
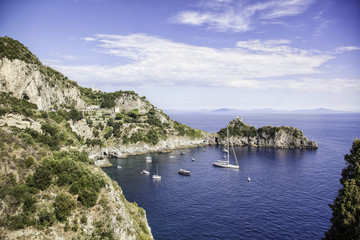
(54, 134)
(269, 110)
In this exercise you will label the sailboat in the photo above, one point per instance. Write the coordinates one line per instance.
(146, 171)
(148, 158)
(156, 176)
(226, 164)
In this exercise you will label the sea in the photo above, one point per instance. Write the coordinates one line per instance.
(287, 197)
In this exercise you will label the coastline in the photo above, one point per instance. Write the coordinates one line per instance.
(101, 155)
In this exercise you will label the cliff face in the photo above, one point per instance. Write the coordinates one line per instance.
(242, 134)
(38, 84)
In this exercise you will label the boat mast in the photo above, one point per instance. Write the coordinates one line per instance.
(228, 142)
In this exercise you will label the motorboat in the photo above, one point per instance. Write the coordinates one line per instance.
(184, 172)
(146, 172)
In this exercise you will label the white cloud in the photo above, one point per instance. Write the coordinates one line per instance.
(236, 16)
(89, 39)
(70, 57)
(158, 61)
(276, 45)
(346, 49)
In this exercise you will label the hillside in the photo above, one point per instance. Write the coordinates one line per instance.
(107, 121)
(60, 195)
(49, 188)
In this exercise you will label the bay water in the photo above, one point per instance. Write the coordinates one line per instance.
(287, 197)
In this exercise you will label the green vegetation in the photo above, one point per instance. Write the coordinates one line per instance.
(63, 206)
(10, 104)
(13, 49)
(69, 169)
(184, 130)
(346, 207)
(238, 128)
(103, 99)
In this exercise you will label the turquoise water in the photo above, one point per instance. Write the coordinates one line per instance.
(287, 197)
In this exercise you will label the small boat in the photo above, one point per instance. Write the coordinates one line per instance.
(226, 164)
(148, 158)
(225, 150)
(156, 176)
(184, 172)
(118, 166)
(182, 153)
(145, 172)
(204, 150)
(249, 179)
(193, 159)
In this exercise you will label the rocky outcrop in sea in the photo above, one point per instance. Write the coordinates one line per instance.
(242, 134)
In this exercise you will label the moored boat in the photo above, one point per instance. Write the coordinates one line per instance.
(156, 176)
(184, 172)
(226, 164)
(145, 172)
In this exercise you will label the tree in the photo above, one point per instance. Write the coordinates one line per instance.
(346, 207)
(75, 115)
(64, 205)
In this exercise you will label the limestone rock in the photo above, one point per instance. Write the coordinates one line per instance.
(81, 128)
(19, 121)
(26, 80)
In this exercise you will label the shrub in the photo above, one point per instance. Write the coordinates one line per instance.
(88, 197)
(29, 161)
(152, 137)
(83, 219)
(42, 177)
(63, 205)
(75, 115)
(46, 214)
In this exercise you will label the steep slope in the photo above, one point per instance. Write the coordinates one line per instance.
(60, 195)
(22, 74)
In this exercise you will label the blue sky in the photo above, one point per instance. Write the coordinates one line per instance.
(195, 54)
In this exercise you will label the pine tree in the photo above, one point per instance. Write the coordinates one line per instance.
(346, 207)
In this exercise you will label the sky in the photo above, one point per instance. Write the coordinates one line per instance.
(196, 54)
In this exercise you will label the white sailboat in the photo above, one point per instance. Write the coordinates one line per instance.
(156, 176)
(226, 164)
(146, 171)
(148, 158)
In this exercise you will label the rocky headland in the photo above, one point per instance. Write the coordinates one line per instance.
(242, 134)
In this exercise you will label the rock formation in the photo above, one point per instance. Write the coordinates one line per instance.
(242, 134)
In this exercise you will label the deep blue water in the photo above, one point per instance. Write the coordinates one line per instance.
(287, 197)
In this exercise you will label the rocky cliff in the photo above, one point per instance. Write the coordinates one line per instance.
(242, 134)
(22, 74)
